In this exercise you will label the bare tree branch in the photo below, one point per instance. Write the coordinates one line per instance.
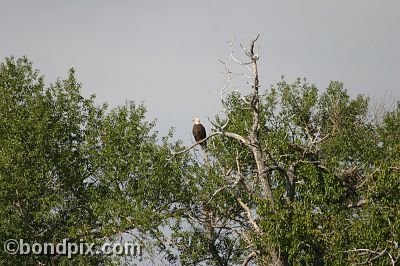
(248, 258)
(228, 134)
(372, 255)
(249, 216)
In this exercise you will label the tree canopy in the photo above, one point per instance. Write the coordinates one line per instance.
(291, 175)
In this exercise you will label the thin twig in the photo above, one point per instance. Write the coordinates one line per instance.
(249, 216)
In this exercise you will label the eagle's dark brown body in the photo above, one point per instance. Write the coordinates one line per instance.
(199, 133)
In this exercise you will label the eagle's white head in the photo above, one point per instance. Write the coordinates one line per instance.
(196, 121)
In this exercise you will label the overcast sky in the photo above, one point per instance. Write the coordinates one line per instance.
(165, 53)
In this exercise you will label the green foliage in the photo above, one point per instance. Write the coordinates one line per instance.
(42, 159)
(71, 169)
(345, 172)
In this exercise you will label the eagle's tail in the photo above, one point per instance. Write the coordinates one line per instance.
(204, 144)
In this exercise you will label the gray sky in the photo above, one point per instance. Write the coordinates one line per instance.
(165, 52)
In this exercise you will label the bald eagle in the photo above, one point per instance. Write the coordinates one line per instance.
(199, 132)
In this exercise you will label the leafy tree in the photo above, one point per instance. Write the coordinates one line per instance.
(43, 164)
(69, 169)
(293, 177)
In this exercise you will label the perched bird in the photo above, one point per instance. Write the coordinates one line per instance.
(199, 132)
